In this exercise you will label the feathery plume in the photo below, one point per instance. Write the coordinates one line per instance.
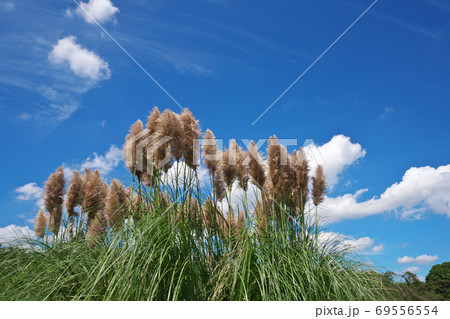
(192, 210)
(169, 125)
(287, 178)
(130, 148)
(40, 223)
(116, 205)
(152, 120)
(208, 213)
(191, 134)
(96, 230)
(229, 164)
(54, 198)
(164, 201)
(302, 171)
(75, 194)
(70, 228)
(94, 194)
(318, 186)
(274, 160)
(240, 223)
(242, 169)
(210, 152)
(281, 171)
(219, 186)
(256, 166)
(260, 216)
(138, 205)
(150, 173)
(230, 225)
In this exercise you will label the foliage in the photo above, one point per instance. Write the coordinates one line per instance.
(438, 280)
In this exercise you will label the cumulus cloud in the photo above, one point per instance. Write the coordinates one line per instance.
(182, 172)
(422, 189)
(29, 191)
(97, 10)
(238, 200)
(420, 260)
(378, 248)
(338, 154)
(13, 232)
(413, 269)
(104, 163)
(335, 155)
(83, 63)
(350, 243)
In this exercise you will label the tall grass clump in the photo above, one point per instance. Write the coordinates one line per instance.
(168, 235)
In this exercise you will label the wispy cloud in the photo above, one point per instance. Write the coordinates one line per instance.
(386, 112)
(7, 6)
(407, 25)
(413, 27)
(53, 76)
(441, 4)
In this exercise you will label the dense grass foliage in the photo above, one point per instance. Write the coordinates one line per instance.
(171, 237)
(167, 255)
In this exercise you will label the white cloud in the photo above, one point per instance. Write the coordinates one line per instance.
(84, 63)
(421, 189)
(184, 173)
(99, 10)
(386, 112)
(238, 200)
(6, 6)
(378, 248)
(13, 232)
(350, 243)
(24, 116)
(337, 155)
(413, 269)
(420, 260)
(29, 191)
(104, 163)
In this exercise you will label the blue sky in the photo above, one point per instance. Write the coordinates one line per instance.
(376, 104)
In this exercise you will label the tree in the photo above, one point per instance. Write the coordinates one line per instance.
(438, 279)
(410, 279)
(389, 276)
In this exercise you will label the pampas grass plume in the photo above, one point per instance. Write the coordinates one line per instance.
(191, 134)
(319, 186)
(96, 230)
(54, 198)
(210, 153)
(40, 223)
(116, 205)
(75, 194)
(130, 150)
(94, 194)
(256, 166)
